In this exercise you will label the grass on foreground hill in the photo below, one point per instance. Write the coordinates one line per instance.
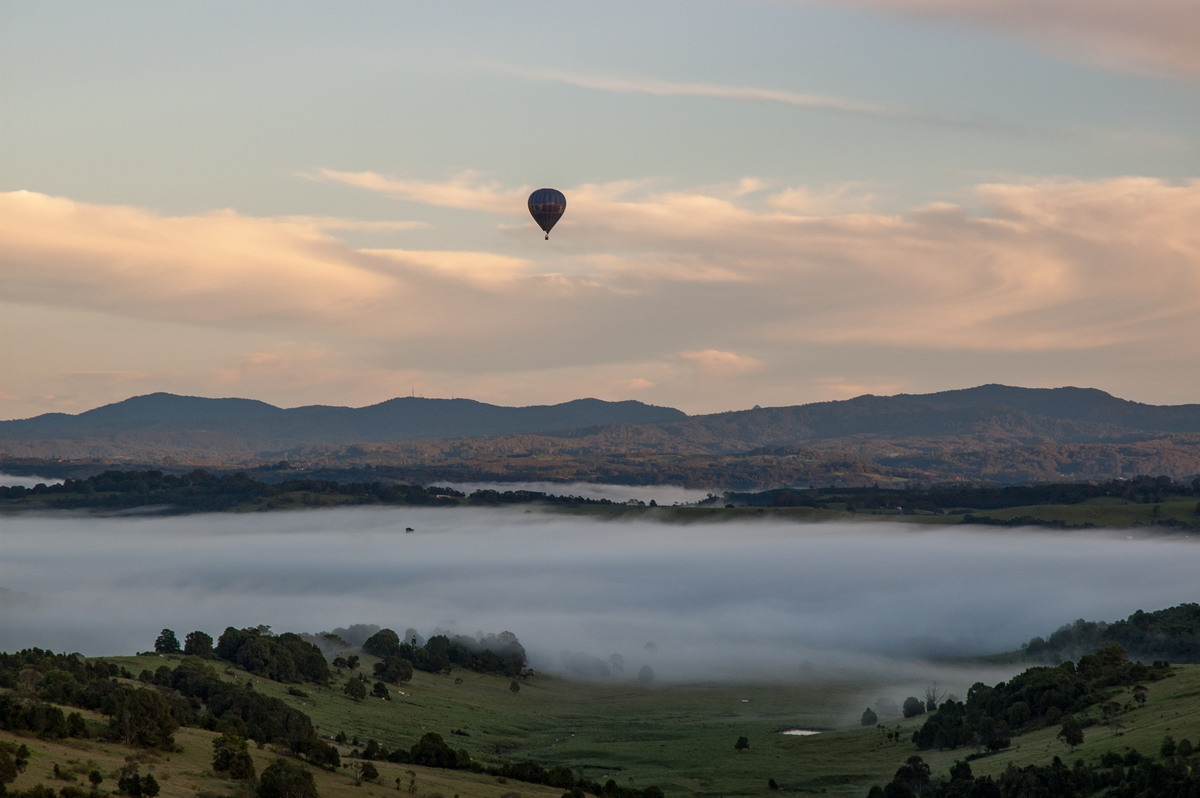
(680, 738)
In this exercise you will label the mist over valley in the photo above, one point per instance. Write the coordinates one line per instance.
(738, 600)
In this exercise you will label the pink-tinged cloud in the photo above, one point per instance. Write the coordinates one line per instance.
(724, 364)
(1157, 37)
(676, 288)
(465, 191)
(216, 268)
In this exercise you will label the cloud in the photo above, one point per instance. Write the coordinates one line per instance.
(666, 88)
(466, 190)
(737, 599)
(1154, 37)
(60, 252)
(746, 279)
(714, 361)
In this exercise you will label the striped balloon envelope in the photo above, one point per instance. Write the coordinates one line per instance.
(546, 206)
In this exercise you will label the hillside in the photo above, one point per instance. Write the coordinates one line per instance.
(990, 433)
(680, 738)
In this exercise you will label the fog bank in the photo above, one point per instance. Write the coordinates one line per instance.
(14, 481)
(708, 601)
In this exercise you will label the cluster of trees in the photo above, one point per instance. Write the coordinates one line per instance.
(237, 709)
(1038, 697)
(284, 658)
(1127, 775)
(500, 654)
(40, 680)
(1171, 634)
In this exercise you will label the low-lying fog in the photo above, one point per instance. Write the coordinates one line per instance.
(705, 601)
(12, 480)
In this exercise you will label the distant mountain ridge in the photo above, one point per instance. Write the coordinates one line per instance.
(992, 433)
(267, 426)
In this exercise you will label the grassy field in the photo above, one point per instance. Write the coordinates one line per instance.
(680, 738)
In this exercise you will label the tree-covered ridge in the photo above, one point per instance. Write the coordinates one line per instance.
(1038, 697)
(202, 491)
(1113, 775)
(1170, 634)
(954, 498)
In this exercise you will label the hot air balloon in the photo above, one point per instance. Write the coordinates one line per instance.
(546, 205)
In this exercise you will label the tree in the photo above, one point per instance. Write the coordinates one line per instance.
(167, 643)
(933, 696)
(380, 691)
(913, 774)
(130, 783)
(284, 779)
(198, 644)
(355, 689)
(13, 760)
(1071, 732)
(1139, 694)
(231, 755)
(913, 706)
(869, 718)
(1168, 747)
(142, 717)
(395, 669)
(384, 643)
(741, 745)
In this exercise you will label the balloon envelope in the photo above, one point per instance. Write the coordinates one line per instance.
(546, 206)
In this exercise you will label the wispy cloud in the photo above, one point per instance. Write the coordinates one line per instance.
(466, 190)
(754, 94)
(666, 88)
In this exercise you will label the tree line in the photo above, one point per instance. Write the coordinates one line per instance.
(1113, 775)
(201, 491)
(1171, 634)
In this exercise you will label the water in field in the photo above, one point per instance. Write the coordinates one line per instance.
(615, 600)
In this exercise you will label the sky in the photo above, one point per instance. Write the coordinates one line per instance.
(739, 600)
(769, 202)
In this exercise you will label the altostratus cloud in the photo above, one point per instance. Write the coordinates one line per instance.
(718, 275)
(1155, 37)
